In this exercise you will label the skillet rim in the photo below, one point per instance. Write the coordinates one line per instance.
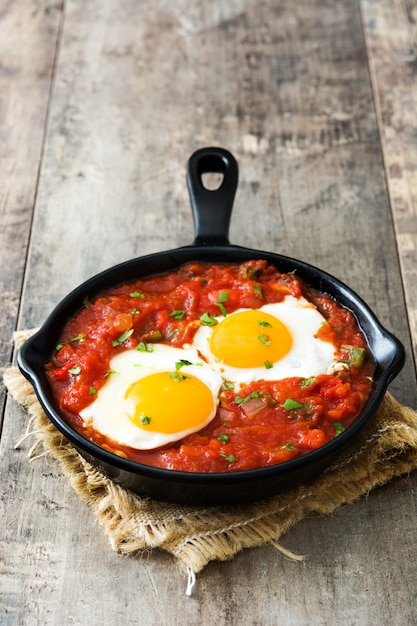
(389, 355)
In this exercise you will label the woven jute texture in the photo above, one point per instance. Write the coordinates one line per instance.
(385, 448)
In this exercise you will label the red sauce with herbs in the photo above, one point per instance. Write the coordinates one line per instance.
(276, 421)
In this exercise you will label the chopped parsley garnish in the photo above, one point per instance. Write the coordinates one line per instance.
(228, 385)
(134, 312)
(122, 338)
(254, 272)
(172, 333)
(357, 356)
(208, 320)
(223, 297)
(144, 347)
(290, 404)
(250, 272)
(269, 365)
(177, 377)
(92, 391)
(263, 338)
(231, 457)
(305, 382)
(223, 438)
(144, 419)
(264, 323)
(86, 304)
(339, 428)
(179, 364)
(75, 370)
(136, 294)
(258, 291)
(59, 346)
(251, 396)
(79, 337)
(288, 446)
(110, 372)
(204, 281)
(177, 314)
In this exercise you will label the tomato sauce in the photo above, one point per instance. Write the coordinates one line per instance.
(267, 422)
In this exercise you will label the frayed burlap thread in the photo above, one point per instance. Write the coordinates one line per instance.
(385, 449)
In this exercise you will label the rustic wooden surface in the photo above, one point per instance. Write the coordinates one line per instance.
(101, 105)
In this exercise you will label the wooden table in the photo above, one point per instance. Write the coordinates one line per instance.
(101, 105)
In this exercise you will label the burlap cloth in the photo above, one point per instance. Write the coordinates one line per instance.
(386, 448)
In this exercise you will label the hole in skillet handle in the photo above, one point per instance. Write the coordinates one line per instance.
(212, 208)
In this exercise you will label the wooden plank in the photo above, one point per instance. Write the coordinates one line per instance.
(121, 132)
(28, 40)
(391, 36)
(285, 86)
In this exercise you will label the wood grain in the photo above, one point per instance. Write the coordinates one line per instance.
(391, 36)
(312, 178)
(138, 86)
(29, 33)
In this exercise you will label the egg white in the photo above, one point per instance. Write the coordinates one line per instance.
(308, 356)
(109, 412)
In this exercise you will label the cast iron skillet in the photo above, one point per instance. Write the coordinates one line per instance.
(211, 212)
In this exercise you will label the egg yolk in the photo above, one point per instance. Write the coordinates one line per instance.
(250, 339)
(170, 402)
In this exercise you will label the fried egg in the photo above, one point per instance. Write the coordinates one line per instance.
(155, 397)
(273, 342)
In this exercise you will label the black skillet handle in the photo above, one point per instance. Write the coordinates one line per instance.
(212, 209)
